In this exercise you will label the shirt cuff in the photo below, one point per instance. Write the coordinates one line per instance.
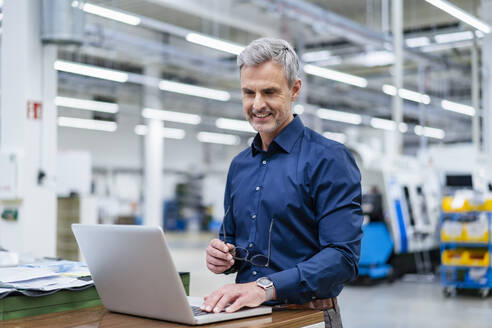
(286, 285)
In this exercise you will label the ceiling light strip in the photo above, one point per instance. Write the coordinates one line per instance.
(111, 14)
(236, 125)
(334, 115)
(171, 116)
(429, 132)
(335, 75)
(81, 123)
(218, 138)
(169, 133)
(85, 104)
(460, 14)
(214, 43)
(92, 71)
(407, 94)
(193, 90)
(457, 107)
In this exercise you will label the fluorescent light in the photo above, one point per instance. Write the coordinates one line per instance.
(298, 109)
(98, 106)
(453, 37)
(218, 138)
(111, 14)
(166, 115)
(193, 90)
(414, 96)
(335, 75)
(169, 133)
(236, 125)
(417, 42)
(379, 123)
(316, 56)
(217, 44)
(407, 94)
(81, 123)
(403, 127)
(389, 90)
(460, 14)
(429, 132)
(340, 137)
(457, 107)
(376, 58)
(92, 71)
(334, 115)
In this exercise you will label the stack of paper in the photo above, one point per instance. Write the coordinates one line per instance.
(45, 276)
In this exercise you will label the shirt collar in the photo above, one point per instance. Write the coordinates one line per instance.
(285, 139)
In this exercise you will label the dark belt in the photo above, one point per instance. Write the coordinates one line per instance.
(324, 304)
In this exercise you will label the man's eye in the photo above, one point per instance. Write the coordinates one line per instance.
(249, 92)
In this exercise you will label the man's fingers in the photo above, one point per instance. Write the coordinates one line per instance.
(217, 268)
(219, 262)
(224, 300)
(211, 300)
(238, 304)
(219, 244)
(218, 254)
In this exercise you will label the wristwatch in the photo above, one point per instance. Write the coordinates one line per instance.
(267, 285)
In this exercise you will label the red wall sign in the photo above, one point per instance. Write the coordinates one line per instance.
(34, 110)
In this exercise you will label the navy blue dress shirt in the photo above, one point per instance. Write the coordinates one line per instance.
(310, 187)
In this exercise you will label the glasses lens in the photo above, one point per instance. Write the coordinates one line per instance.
(240, 253)
(259, 260)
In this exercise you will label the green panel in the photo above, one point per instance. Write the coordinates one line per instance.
(185, 279)
(13, 303)
(48, 309)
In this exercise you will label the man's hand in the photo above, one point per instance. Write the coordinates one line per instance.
(238, 295)
(218, 257)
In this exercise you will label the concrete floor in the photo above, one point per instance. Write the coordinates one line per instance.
(397, 305)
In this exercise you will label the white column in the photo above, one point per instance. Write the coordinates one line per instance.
(27, 75)
(153, 155)
(486, 13)
(397, 115)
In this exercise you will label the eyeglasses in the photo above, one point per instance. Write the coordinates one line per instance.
(242, 254)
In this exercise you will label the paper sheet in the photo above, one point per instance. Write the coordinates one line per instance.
(15, 274)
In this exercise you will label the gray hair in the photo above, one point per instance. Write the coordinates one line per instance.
(265, 49)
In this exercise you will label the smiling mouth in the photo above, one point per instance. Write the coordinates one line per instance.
(261, 115)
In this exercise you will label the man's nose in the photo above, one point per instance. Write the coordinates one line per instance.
(259, 103)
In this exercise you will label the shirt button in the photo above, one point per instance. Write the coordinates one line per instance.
(264, 162)
(253, 216)
(257, 188)
(250, 245)
(254, 273)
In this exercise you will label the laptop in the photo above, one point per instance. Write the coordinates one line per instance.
(134, 274)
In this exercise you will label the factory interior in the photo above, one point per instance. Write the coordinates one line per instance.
(123, 112)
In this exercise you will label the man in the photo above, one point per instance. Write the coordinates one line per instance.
(293, 218)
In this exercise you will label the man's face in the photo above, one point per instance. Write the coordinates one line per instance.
(267, 98)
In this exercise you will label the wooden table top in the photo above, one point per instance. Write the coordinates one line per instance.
(99, 317)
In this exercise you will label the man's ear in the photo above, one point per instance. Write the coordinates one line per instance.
(296, 89)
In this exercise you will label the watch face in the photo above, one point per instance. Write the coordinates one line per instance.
(264, 281)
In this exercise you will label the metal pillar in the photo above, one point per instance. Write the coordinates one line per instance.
(154, 150)
(28, 131)
(486, 15)
(397, 115)
(475, 96)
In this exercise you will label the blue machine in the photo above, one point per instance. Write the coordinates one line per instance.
(376, 249)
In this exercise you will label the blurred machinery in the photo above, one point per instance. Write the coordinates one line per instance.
(402, 198)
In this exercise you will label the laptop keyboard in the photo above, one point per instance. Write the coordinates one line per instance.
(197, 311)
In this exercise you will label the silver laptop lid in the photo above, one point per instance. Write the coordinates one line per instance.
(133, 271)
